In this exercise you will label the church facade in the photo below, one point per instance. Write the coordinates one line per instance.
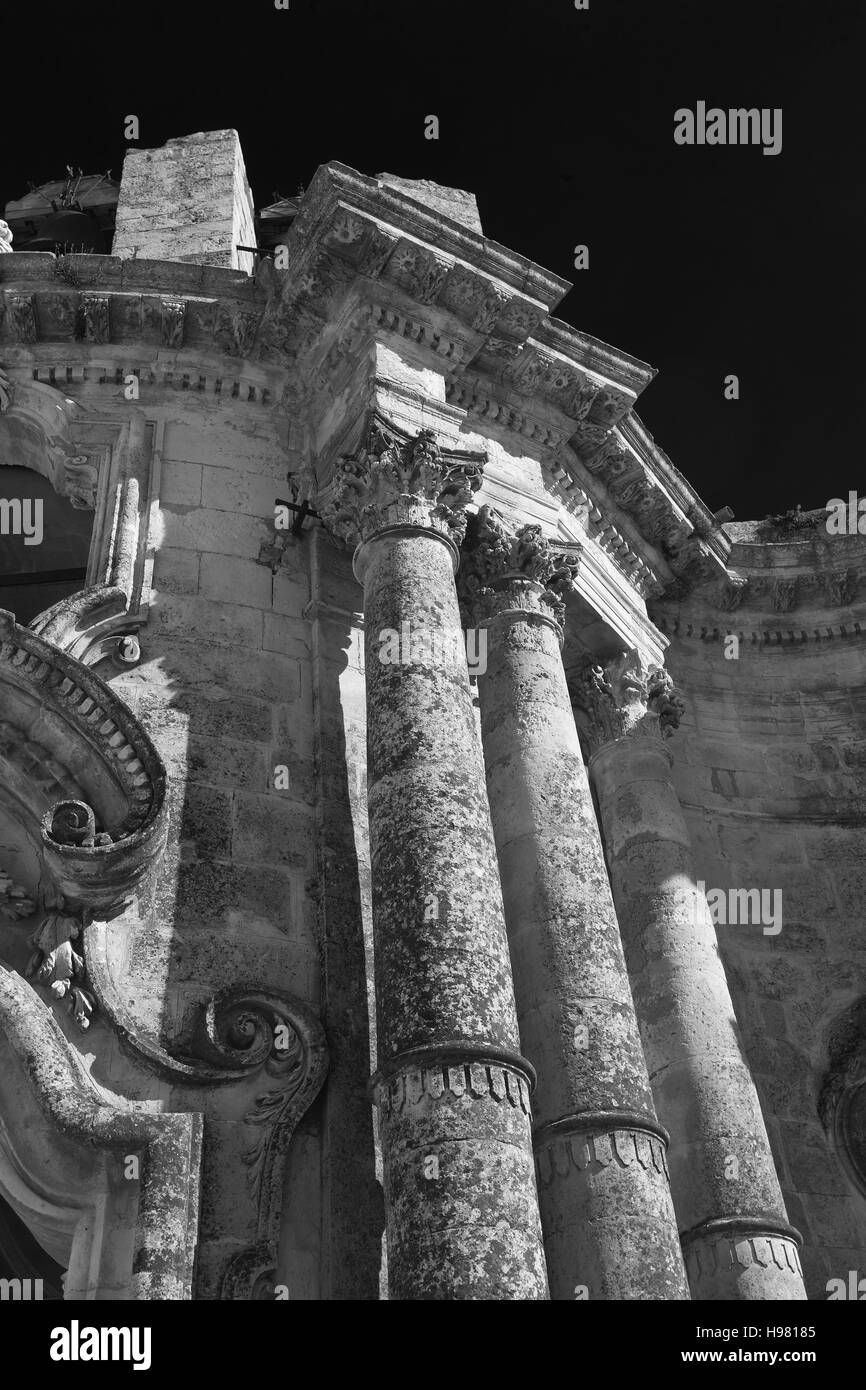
(431, 841)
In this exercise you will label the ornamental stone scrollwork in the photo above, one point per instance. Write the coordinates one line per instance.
(85, 787)
(57, 965)
(6, 237)
(250, 1030)
(497, 562)
(74, 476)
(621, 699)
(7, 392)
(397, 480)
(74, 823)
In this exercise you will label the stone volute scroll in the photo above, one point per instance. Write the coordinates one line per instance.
(599, 1149)
(82, 808)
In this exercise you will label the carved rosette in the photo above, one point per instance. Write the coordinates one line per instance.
(395, 480)
(621, 699)
(506, 569)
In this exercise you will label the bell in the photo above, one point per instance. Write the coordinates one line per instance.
(68, 232)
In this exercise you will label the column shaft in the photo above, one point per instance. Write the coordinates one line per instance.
(736, 1237)
(460, 1189)
(608, 1219)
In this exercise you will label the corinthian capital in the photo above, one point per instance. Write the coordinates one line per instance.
(397, 480)
(622, 700)
(517, 568)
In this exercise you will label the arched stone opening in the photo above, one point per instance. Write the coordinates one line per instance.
(842, 1102)
(48, 497)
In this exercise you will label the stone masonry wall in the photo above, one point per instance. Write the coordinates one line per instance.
(188, 201)
(224, 688)
(768, 765)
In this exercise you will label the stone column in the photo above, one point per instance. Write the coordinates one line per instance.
(736, 1237)
(609, 1226)
(452, 1087)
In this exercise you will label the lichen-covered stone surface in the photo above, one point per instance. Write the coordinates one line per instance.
(606, 1207)
(720, 1159)
(459, 1184)
(215, 1009)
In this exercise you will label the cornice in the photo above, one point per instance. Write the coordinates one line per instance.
(765, 638)
(336, 188)
(818, 576)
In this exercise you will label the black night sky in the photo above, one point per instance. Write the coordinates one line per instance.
(704, 261)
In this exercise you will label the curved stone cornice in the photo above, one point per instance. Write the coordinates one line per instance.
(88, 738)
(100, 300)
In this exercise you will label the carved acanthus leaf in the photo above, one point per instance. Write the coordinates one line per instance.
(621, 699)
(392, 480)
(495, 554)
